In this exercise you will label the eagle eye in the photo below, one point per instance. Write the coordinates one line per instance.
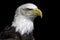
(28, 9)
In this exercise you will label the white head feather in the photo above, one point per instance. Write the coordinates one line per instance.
(21, 9)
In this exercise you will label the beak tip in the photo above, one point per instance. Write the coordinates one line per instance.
(41, 17)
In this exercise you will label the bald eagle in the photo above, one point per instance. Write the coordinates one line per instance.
(22, 26)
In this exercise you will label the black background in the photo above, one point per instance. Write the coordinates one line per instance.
(7, 11)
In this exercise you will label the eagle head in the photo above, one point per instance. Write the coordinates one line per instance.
(29, 10)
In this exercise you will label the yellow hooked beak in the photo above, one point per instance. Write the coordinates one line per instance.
(37, 12)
